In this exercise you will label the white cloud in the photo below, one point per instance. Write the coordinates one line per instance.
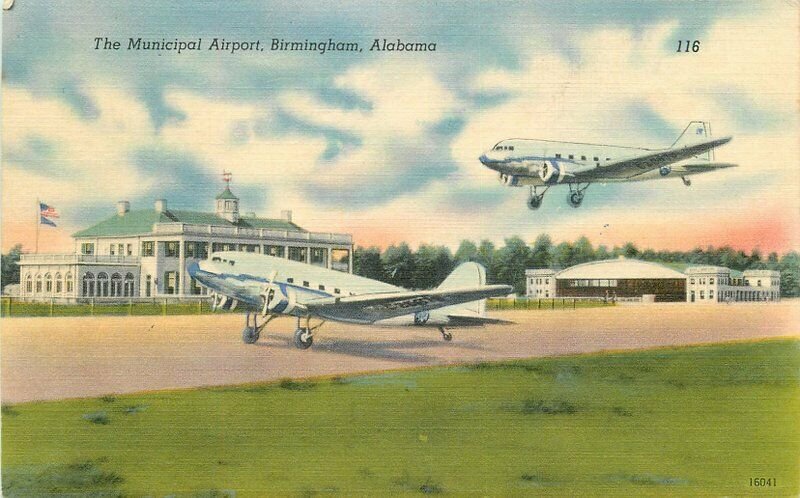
(551, 98)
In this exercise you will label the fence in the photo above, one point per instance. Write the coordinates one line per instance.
(19, 307)
(526, 303)
(199, 305)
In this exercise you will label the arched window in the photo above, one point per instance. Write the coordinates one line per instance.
(129, 284)
(48, 283)
(59, 284)
(28, 284)
(88, 284)
(116, 285)
(39, 284)
(68, 282)
(102, 284)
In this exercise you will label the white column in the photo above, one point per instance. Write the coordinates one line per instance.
(182, 267)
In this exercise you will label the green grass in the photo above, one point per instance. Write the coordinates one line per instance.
(24, 309)
(688, 421)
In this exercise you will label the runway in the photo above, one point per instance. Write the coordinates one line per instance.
(56, 358)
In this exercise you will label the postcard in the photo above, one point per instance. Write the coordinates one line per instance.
(400, 248)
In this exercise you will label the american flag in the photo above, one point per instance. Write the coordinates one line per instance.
(47, 212)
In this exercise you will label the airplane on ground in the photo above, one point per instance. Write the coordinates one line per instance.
(269, 286)
(544, 163)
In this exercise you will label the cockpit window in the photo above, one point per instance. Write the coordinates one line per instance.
(216, 258)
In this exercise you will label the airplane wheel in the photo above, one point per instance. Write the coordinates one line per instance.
(447, 336)
(687, 182)
(534, 202)
(250, 335)
(303, 339)
(575, 199)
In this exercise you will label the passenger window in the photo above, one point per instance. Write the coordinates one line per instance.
(596, 159)
(336, 291)
(231, 262)
(321, 287)
(558, 156)
(572, 156)
(583, 158)
(290, 280)
(305, 283)
(511, 148)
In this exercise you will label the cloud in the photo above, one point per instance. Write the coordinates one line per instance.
(54, 154)
(386, 146)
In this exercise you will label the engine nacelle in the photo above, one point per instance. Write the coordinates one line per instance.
(509, 180)
(278, 299)
(552, 173)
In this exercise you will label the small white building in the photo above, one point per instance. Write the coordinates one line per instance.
(541, 283)
(145, 253)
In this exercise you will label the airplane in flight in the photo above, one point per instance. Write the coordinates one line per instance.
(268, 286)
(540, 164)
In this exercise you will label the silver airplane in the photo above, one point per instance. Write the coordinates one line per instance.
(266, 286)
(540, 164)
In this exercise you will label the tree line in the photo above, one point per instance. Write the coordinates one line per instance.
(426, 267)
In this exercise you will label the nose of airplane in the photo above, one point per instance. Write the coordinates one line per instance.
(193, 268)
(484, 159)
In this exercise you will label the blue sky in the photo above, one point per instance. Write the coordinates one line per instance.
(385, 145)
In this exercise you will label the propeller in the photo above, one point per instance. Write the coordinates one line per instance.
(268, 293)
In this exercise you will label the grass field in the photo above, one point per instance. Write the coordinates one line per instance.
(685, 421)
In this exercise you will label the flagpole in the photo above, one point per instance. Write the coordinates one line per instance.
(38, 215)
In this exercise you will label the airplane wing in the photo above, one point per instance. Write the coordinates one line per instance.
(636, 165)
(368, 308)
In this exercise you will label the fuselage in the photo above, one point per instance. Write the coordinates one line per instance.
(245, 278)
(523, 162)
(243, 275)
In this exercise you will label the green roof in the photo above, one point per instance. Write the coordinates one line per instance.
(141, 222)
(226, 194)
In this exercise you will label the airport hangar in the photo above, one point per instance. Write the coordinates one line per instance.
(635, 280)
(144, 253)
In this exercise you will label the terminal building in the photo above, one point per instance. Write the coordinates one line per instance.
(635, 280)
(145, 253)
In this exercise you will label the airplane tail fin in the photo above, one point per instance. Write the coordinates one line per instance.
(697, 131)
(467, 275)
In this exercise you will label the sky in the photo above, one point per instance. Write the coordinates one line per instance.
(385, 145)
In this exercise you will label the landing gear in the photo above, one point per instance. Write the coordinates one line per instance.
(447, 336)
(304, 336)
(576, 194)
(687, 181)
(251, 332)
(535, 198)
(250, 335)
